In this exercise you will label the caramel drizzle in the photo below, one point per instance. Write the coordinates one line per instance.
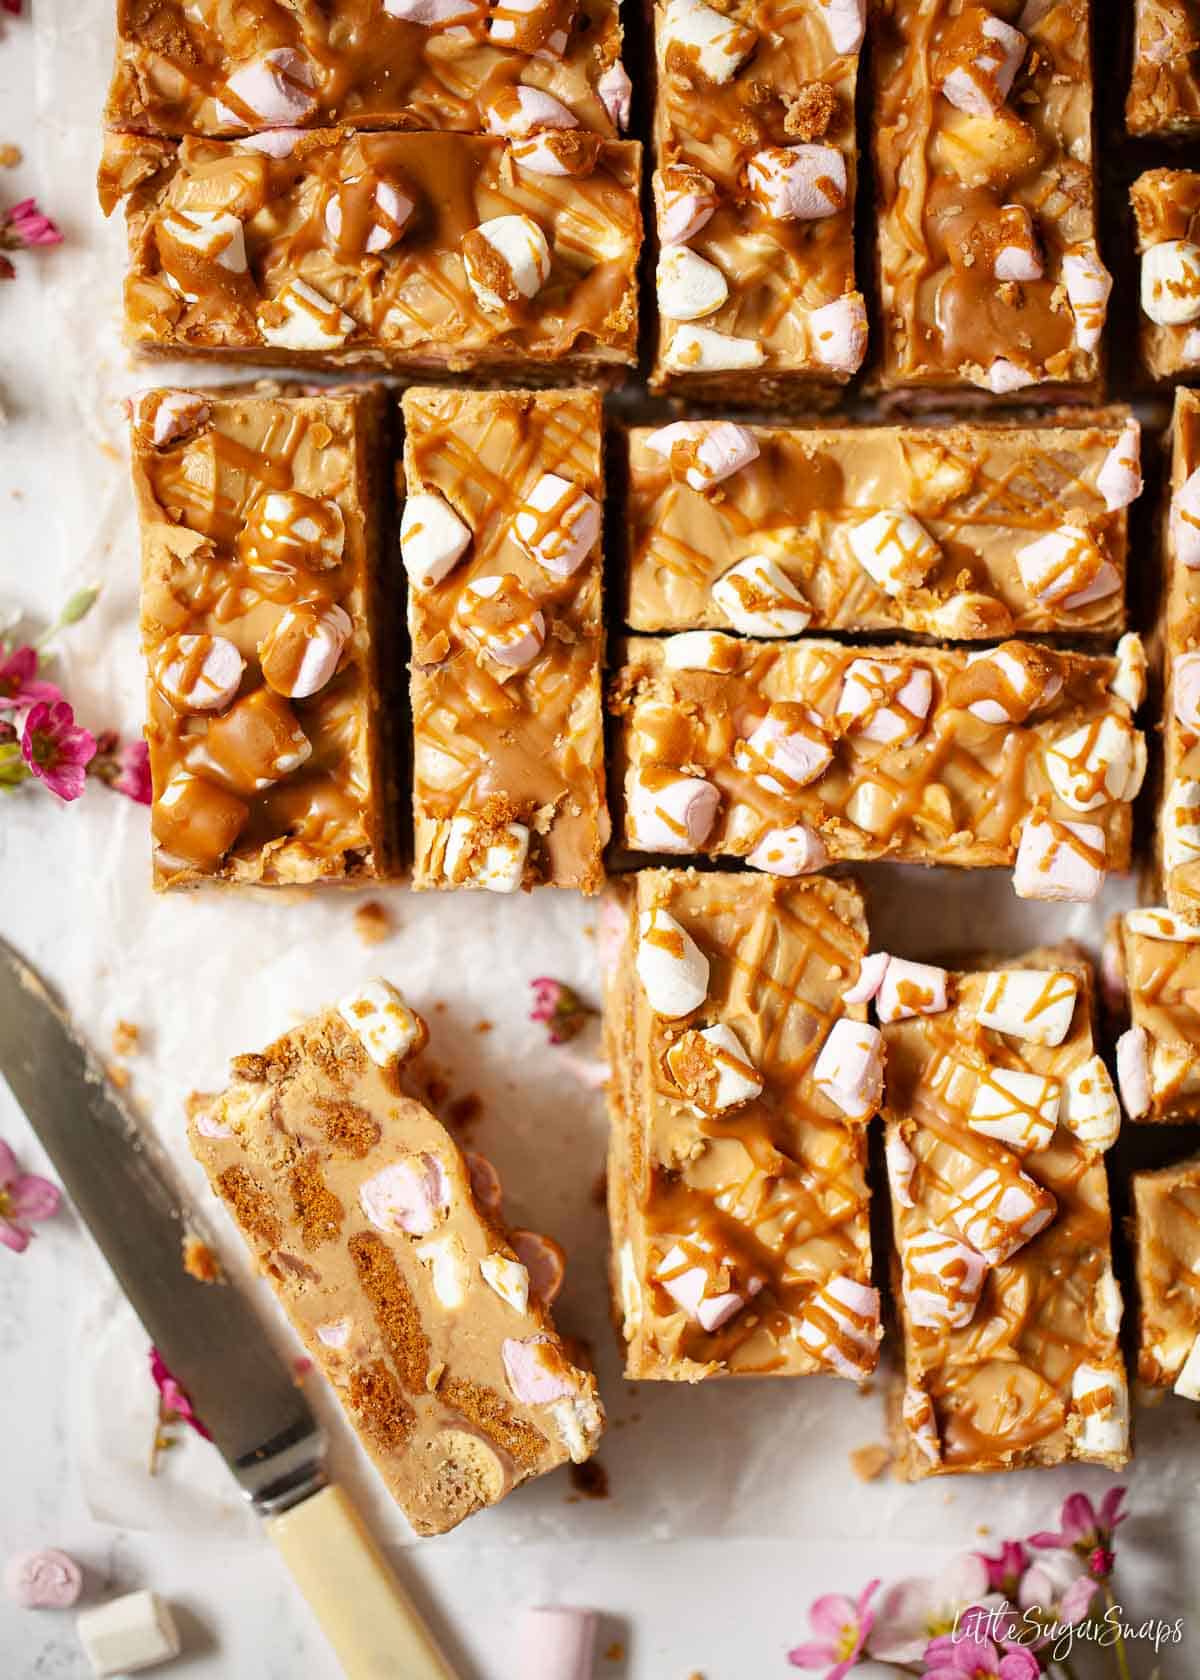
(1181, 749)
(1167, 1230)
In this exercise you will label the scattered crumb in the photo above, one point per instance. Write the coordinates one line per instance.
(10, 156)
(866, 1389)
(373, 922)
(436, 1373)
(439, 1007)
(590, 1479)
(614, 1652)
(869, 1462)
(589, 929)
(302, 1366)
(199, 1261)
(984, 1530)
(118, 1075)
(464, 1112)
(110, 451)
(483, 1026)
(600, 1189)
(126, 1039)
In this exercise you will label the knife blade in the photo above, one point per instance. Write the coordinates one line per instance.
(123, 1187)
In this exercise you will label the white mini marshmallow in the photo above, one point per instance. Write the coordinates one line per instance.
(275, 142)
(388, 1030)
(391, 209)
(685, 202)
(758, 599)
(277, 91)
(615, 92)
(214, 235)
(433, 539)
(1090, 1110)
(1171, 283)
(1181, 824)
(1019, 257)
(505, 26)
(521, 246)
(1088, 285)
(549, 152)
(784, 752)
(1027, 684)
(558, 525)
(798, 850)
(498, 868)
(286, 529)
(1185, 522)
(911, 988)
(524, 110)
(199, 673)
(840, 1325)
(846, 21)
(699, 650)
(579, 1425)
(849, 1069)
(177, 414)
(412, 1195)
(885, 703)
(715, 1058)
(1161, 924)
(557, 1642)
(1098, 763)
(508, 1279)
(798, 183)
(1016, 1108)
(1101, 1401)
(536, 1370)
(837, 333)
(128, 1634)
(450, 1269)
(1129, 679)
(917, 1413)
(1185, 690)
(901, 1167)
(432, 14)
(313, 322)
(688, 286)
(672, 968)
(718, 45)
(999, 1212)
(514, 645)
(1119, 480)
(690, 1287)
(1030, 1003)
(1067, 568)
(871, 971)
(318, 633)
(1062, 862)
(669, 812)
(981, 87)
(1004, 377)
(1187, 1383)
(336, 1333)
(713, 450)
(701, 350)
(1133, 1071)
(943, 1278)
(894, 549)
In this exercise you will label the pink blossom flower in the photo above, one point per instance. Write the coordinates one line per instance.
(1087, 1531)
(174, 1399)
(842, 1627)
(960, 1657)
(559, 1007)
(1058, 1585)
(1005, 1571)
(19, 682)
(12, 7)
(24, 1200)
(912, 1612)
(125, 769)
(26, 225)
(56, 749)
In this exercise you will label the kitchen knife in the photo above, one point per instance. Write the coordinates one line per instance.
(121, 1186)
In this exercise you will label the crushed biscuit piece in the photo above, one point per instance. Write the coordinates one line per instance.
(10, 157)
(199, 1261)
(870, 1462)
(126, 1039)
(373, 922)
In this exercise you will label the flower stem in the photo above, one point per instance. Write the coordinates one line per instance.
(1119, 1651)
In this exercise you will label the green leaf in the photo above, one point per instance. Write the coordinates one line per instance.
(79, 606)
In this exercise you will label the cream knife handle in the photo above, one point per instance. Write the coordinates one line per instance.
(363, 1610)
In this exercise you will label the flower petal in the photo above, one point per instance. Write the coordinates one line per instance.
(8, 1165)
(1110, 1509)
(831, 1615)
(811, 1656)
(1078, 1518)
(1018, 1664)
(12, 1236)
(33, 1197)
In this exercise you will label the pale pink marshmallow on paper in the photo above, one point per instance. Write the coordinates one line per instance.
(870, 975)
(671, 816)
(911, 988)
(200, 673)
(721, 448)
(276, 89)
(1088, 285)
(557, 1642)
(999, 1214)
(798, 850)
(1119, 480)
(837, 333)
(535, 110)
(1052, 861)
(798, 183)
(942, 1280)
(1185, 522)
(681, 213)
(543, 1260)
(178, 413)
(783, 755)
(1133, 1071)
(43, 1580)
(853, 1308)
(849, 1069)
(861, 710)
(982, 87)
(901, 1167)
(410, 1195)
(536, 1371)
(615, 92)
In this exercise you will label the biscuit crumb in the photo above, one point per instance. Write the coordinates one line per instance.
(118, 1075)
(373, 922)
(10, 156)
(199, 1261)
(869, 1462)
(614, 1652)
(126, 1039)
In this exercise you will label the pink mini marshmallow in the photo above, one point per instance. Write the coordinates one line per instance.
(685, 201)
(335, 1334)
(390, 213)
(798, 850)
(558, 525)
(846, 21)
(911, 988)
(849, 1069)
(1119, 480)
(689, 1285)
(837, 333)
(901, 1167)
(199, 673)
(615, 92)
(533, 110)
(1133, 1071)
(537, 1372)
(713, 450)
(45, 1580)
(1185, 690)
(871, 971)
(411, 1195)
(982, 87)
(784, 753)
(275, 89)
(1000, 1211)
(1185, 522)
(884, 703)
(1057, 861)
(178, 413)
(1088, 285)
(485, 1182)
(210, 1128)
(319, 634)
(1004, 377)
(557, 1643)
(798, 183)
(669, 812)
(943, 1280)
(1067, 567)
(840, 1325)
(543, 1260)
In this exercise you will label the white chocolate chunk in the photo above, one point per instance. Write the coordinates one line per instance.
(901, 1167)
(520, 247)
(798, 850)
(701, 350)
(849, 1069)
(502, 621)
(910, 988)
(685, 201)
(532, 111)
(1030, 1003)
(1017, 1108)
(498, 867)
(615, 92)
(672, 968)
(1090, 1110)
(1067, 568)
(894, 549)
(1129, 679)
(917, 1412)
(758, 599)
(1119, 480)
(128, 1634)
(942, 1280)
(577, 1419)
(837, 333)
(784, 752)
(1062, 862)
(391, 209)
(1181, 824)
(447, 1260)
(215, 235)
(388, 1030)
(508, 1279)
(885, 703)
(712, 1066)
(313, 322)
(688, 286)
(1101, 1403)
(670, 812)
(981, 87)
(433, 539)
(1099, 762)
(277, 91)
(199, 673)
(1088, 285)
(846, 21)
(1185, 522)
(1187, 1383)
(998, 1213)
(699, 650)
(1027, 680)
(558, 525)
(711, 450)
(840, 1325)
(1133, 1071)
(798, 183)
(1171, 282)
(717, 45)
(300, 652)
